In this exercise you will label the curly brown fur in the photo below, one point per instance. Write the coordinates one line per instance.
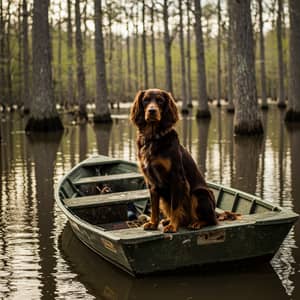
(177, 187)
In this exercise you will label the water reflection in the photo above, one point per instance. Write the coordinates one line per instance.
(246, 154)
(203, 128)
(105, 281)
(19, 241)
(285, 261)
(38, 261)
(43, 149)
(83, 144)
(102, 133)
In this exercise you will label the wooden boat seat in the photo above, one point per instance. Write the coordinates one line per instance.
(107, 199)
(108, 178)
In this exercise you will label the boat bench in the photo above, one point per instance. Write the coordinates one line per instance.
(108, 178)
(107, 199)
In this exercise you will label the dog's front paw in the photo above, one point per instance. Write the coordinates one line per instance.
(171, 228)
(197, 225)
(150, 226)
(165, 222)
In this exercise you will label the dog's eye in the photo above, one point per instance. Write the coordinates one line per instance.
(160, 100)
(146, 101)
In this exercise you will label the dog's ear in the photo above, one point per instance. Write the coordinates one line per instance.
(170, 112)
(137, 110)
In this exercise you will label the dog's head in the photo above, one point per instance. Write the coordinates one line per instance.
(154, 106)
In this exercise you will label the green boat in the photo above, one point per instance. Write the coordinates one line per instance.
(106, 202)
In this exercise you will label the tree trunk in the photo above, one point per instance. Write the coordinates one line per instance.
(70, 99)
(8, 58)
(26, 95)
(102, 113)
(219, 70)
(2, 55)
(20, 47)
(203, 109)
(230, 107)
(129, 88)
(145, 60)
(135, 50)
(188, 56)
(110, 59)
(247, 119)
(281, 90)
(167, 45)
(293, 112)
(80, 68)
(184, 108)
(153, 46)
(43, 114)
(85, 18)
(120, 78)
(59, 61)
(264, 103)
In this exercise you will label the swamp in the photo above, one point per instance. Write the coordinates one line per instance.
(42, 259)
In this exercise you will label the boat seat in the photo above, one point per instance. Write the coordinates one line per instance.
(108, 178)
(107, 199)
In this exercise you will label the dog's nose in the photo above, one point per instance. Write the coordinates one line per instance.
(152, 110)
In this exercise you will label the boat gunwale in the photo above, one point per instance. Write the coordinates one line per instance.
(285, 214)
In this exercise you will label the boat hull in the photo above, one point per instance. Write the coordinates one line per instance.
(187, 250)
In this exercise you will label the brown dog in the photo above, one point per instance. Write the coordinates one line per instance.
(174, 180)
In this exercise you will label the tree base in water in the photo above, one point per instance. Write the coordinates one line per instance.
(244, 128)
(264, 106)
(44, 125)
(26, 111)
(230, 109)
(203, 114)
(105, 118)
(281, 105)
(184, 111)
(292, 116)
(82, 116)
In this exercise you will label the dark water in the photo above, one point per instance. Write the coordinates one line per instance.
(41, 259)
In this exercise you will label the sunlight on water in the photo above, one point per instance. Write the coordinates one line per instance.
(40, 257)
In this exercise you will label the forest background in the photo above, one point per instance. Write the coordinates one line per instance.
(123, 35)
(224, 50)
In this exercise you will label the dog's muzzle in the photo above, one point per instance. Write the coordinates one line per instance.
(152, 114)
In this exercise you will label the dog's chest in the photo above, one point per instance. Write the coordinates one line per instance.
(155, 167)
